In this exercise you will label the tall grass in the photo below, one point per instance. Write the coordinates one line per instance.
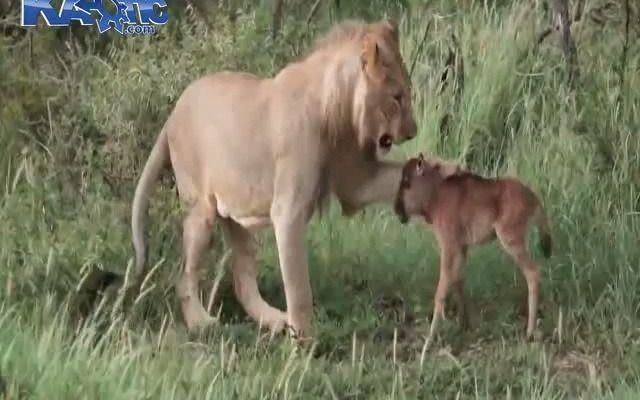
(77, 124)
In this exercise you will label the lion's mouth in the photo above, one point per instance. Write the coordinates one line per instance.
(399, 209)
(385, 142)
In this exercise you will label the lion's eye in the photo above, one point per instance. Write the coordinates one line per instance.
(398, 98)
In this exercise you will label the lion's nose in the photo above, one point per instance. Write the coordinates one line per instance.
(412, 130)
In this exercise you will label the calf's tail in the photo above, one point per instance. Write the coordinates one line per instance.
(544, 230)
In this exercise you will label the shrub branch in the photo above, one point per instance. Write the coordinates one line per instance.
(419, 49)
(561, 11)
(454, 61)
(313, 11)
(276, 18)
(625, 48)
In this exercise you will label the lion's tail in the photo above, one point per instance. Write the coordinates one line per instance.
(544, 230)
(151, 172)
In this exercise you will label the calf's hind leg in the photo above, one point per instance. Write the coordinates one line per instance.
(197, 226)
(457, 281)
(245, 280)
(512, 239)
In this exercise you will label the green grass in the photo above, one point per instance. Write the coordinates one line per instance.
(78, 126)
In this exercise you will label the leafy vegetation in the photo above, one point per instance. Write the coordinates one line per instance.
(79, 112)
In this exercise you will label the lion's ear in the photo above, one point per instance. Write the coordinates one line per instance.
(369, 55)
(392, 27)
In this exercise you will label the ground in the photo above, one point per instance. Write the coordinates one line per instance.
(78, 124)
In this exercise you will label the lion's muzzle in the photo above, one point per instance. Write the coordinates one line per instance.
(411, 131)
(399, 209)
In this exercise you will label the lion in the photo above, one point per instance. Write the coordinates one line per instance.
(253, 152)
(467, 210)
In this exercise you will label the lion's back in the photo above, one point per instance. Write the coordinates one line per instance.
(218, 135)
(214, 101)
(224, 88)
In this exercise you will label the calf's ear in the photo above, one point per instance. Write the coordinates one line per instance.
(420, 165)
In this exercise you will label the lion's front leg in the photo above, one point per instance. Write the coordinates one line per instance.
(291, 210)
(289, 234)
(379, 185)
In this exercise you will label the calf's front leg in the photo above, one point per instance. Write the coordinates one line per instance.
(452, 255)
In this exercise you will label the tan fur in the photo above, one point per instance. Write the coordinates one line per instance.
(251, 152)
(467, 210)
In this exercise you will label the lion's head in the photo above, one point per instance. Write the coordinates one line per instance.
(366, 90)
(382, 109)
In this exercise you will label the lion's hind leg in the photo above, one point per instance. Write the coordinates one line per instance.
(197, 228)
(245, 278)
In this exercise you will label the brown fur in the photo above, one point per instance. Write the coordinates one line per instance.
(251, 152)
(467, 210)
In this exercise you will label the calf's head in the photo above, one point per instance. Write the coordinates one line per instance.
(420, 179)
